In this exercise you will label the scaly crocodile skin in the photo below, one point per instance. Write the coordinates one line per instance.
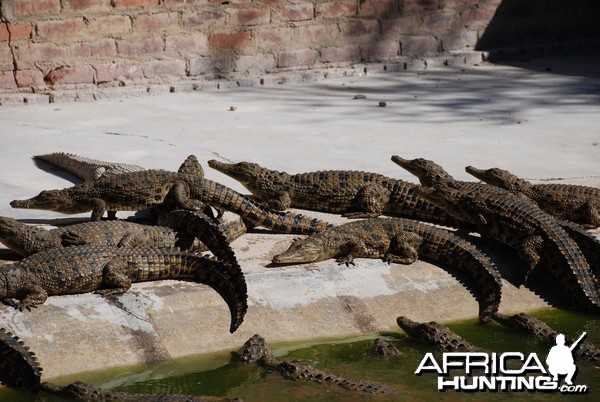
(436, 335)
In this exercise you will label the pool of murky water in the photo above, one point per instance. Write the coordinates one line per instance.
(220, 374)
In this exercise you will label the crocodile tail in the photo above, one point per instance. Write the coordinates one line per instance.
(228, 281)
(219, 196)
(18, 366)
(587, 243)
(202, 227)
(446, 248)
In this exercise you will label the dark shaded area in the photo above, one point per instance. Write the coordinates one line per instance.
(524, 28)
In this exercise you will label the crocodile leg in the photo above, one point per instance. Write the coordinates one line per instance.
(529, 251)
(114, 279)
(369, 201)
(403, 249)
(350, 249)
(34, 295)
(99, 207)
(282, 202)
(591, 213)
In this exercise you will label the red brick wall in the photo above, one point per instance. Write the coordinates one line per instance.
(55, 44)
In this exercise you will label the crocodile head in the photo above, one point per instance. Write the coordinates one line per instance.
(255, 349)
(429, 173)
(499, 178)
(244, 172)
(305, 250)
(51, 200)
(527, 323)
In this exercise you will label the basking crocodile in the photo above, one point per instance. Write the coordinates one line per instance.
(542, 331)
(141, 190)
(85, 168)
(512, 220)
(110, 270)
(256, 351)
(403, 241)
(27, 239)
(436, 335)
(575, 203)
(351, 193)
(19, 368)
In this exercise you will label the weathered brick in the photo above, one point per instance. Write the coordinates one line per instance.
(438, 22)
(109, 25)
(98, 48)
(412, 6)
(297, 12)
(58, 29)
(154, 22)
(140, 47)
(30, 78)
(340, 54)
(459, 3)
(302, 57)
(163, 68)
(86, 6)
(260, 63)
(376, 7)
(187, 44)
(17, 31)
(480, 17)
(210, 65)
(230, 40)
(418, 46)
(250, 16)
(7, 80)
(182, 3)
(71, 75)
(459, 40)
(275, 38)
(135, 3)
(335, 9)
(407, 25)
(118, 71)
(320, 34)
(23, 8)
(382, 50)
(39, 52)
(6, 57)
(360, 29)
(203, 18)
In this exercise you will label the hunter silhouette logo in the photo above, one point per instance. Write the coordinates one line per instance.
(560, 359)
(509, 371)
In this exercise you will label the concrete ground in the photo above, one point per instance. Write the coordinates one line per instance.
(539, 119)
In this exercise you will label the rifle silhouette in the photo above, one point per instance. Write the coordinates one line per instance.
(574, 344)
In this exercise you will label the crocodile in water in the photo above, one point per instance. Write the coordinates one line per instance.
(436, 335)
(19, 368)
(402, 240)
(515, 221)
(256, 351)
(111, 270)
(576, 203)
(542, 331)
(141, 190)
(351, 193)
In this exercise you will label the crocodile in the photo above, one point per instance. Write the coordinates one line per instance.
(27, 240)
(256, 351)
(353, 194)
(19, 368)
(384, 348)
(515, 221)
(575, 203)
(111, 270)
(86, 169)
(436, 335)
(141, 190)
(403, 241)
(543, 332)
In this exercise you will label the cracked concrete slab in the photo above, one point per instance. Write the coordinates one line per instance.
(542, 125)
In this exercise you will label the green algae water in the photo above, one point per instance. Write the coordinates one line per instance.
(221, 375)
